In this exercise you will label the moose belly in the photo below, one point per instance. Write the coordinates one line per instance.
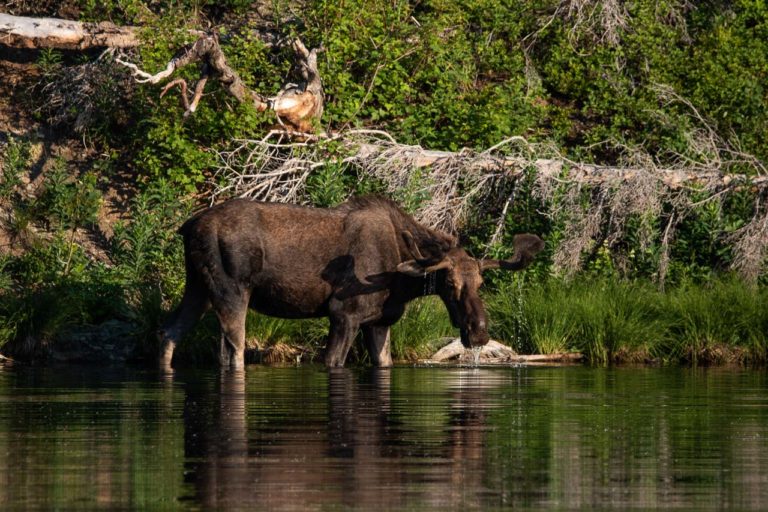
(291, 299)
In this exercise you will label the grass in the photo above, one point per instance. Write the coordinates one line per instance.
(632, 321)
(420, 330)
(608, 320)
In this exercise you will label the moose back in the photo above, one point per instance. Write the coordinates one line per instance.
(358, 264)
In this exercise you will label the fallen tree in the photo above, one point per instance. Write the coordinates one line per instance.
(36, 33)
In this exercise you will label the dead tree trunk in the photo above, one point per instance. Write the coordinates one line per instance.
(298, 107)
(21, 32)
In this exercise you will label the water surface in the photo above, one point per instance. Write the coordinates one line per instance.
(405, 439)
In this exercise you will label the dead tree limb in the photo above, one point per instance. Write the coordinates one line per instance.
(298, 107)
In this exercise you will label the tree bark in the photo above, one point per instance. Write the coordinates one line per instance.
(22, 32)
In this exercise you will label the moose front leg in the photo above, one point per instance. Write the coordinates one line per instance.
(232, 345)
(377, 343)
(340, 339)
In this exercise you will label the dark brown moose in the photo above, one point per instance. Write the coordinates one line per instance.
(358, 264)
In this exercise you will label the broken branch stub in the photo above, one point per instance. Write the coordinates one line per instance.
(298, 107)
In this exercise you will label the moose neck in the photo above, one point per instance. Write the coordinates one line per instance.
(411, 288)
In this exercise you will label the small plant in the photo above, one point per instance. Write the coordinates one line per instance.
(329, 185)
(68, 203)
(147, 248)
(49, 60)
(14, 163)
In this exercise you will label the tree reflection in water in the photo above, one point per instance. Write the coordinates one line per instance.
(406, 438)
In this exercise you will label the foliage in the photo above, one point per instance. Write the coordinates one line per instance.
(15, 156)
(148, 248)
(613, 320)
(66, 202)
(659, 84)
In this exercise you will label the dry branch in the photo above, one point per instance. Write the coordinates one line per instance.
(298, 106)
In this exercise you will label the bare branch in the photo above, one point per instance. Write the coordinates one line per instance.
(298, 107)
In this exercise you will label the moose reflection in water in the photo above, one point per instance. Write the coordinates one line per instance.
(357, 264)
(362, 454)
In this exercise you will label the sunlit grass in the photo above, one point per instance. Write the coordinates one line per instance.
(417, 334)
(613, 320)
(725, 314)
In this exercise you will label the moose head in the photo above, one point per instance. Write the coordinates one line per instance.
(457, 279)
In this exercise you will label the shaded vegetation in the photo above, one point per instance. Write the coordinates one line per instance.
(655, 82)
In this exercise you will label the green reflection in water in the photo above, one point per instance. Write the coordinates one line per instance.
(409, 438)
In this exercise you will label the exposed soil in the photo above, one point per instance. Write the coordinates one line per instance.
(20, 119)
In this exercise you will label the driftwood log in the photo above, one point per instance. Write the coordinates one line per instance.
(22, 32)
(495, 353)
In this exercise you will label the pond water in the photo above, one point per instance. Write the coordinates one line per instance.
(405, 439)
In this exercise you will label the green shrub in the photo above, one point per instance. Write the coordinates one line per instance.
(15, 157)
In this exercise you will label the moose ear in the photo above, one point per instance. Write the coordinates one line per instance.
(411, 268)
(526, 247)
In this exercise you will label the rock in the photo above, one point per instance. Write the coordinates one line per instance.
(111, 342)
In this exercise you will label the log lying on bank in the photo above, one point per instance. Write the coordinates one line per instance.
(21, 32)
(495, 353)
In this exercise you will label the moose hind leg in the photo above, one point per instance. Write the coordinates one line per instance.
(193, 305)
(377, 343)
(232, 348)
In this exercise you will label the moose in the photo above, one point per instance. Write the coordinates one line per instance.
(358, 264)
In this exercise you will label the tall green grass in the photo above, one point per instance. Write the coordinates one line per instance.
(611, 320)
(419, 332)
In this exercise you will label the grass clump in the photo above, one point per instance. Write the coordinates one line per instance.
(724, 321)
(423, 325)
(613, 320)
